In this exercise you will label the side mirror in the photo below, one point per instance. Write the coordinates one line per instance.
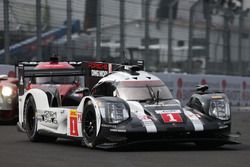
(201, 88)
(84, 91)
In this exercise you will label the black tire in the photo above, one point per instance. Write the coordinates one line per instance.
(89, 127)
(31, 123)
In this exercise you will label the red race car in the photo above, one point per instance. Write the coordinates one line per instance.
(8, 98)
(67, 87)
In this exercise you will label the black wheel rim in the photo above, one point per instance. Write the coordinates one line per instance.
(30, 119)
(90, 124)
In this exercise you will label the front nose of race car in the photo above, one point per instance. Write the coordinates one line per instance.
(8, 102)
(168, 122)
(8, 97)
(152, 120)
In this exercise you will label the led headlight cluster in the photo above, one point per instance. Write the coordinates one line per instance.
(114, 112)
(7, 91)
(220, 109)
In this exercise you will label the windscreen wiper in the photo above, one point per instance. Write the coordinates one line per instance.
(151, 92)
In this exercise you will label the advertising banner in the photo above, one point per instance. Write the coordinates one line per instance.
(183, 86)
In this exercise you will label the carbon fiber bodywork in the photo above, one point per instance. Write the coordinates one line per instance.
(137, 129)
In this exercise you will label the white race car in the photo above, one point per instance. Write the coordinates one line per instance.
(125, 106)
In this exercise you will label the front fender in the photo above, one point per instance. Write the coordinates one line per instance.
(40, 99)
(97, 110)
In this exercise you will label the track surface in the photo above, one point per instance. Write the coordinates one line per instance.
(16, 150)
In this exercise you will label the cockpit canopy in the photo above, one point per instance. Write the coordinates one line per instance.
(134, 90)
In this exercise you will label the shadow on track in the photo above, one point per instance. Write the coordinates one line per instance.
(142, 147)
(149, 147)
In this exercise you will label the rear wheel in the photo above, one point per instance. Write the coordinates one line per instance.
(89, 126)
(31, 123)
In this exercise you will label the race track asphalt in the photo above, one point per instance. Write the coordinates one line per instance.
(17, 151)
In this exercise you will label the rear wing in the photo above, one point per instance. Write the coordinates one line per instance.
(27, 70)
(92, 71)
(97, 70)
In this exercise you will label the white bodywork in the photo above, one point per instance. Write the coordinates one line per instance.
(67, 121)
(123, 76)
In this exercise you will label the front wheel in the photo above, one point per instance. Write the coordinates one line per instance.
(89, 126)
(31, 122)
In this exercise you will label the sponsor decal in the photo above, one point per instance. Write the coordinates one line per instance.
(170, 115)
(98, 66)
(216, 97)
(145, 120)
(98, 73)
(99, 69)
(48, 117)
(160, 105)
(171, 118)
(73, 120)
(198, 125)
(168, 111)
(148, 123)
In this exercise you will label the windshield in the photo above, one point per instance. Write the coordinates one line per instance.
(55, 80)
(143, 90)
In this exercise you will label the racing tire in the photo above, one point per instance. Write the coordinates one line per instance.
(89, 127)
(31, 123)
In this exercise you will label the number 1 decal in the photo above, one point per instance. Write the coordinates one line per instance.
(171, 117)
(73, 123)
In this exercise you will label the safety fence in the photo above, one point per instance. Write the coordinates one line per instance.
(197, 37)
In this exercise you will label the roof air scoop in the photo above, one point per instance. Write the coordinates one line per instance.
(54, 59)
(134, 69)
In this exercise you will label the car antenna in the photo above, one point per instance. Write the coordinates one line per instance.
(124, 59)
(157, 96)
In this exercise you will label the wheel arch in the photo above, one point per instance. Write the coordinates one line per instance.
(37, 100)
(40, 98)
(82, 105)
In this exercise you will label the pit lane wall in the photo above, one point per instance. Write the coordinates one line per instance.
(183, 85)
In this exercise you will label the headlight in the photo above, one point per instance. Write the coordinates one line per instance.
(7, 91)
(220, 109)
(114, 112)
